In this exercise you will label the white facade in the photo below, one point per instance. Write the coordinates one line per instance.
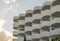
(40, 24)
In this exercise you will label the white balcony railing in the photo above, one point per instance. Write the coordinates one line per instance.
(21, 22)
(55, 20)
(28, 19)
(15, 24)
(36, 16)
(55, 31)
(45, 34)
(55, 9)
(45, 23)
(15, 32)
(35, 35)
(28, 28)
(45, 12)
(34, 26)
(28, 37)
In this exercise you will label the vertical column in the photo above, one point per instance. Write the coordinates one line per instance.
(36, 23)
(28, 25)
(15, 27)
(21, 27)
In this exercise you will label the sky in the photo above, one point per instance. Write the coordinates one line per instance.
(11, 8)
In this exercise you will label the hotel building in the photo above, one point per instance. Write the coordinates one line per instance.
(42, 23)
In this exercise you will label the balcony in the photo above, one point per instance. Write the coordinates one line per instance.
(55, 6)
(35, 26)
(36, 13)
(55, 15)
(55, 21)
(16, 18)
(28, 19)
(45, 34)
(46, 7)
(36, 16)
(56, 2)
(34, 35)
(28, 28)
(21, 31)
(45, 13)
(28, 32)
(45, 24)
(21, 22)
(28, 37)
(15, 25)
(55, 31)
(36, 10)
(15, 32)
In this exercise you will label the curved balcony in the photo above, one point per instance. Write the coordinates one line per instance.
(15, 32)
(46, 5)
(55, 6)
(21, 22)
(37, 10)
(45, 13)
(35, 26)
(28, 28)
(45, 34)
(15, 25)
(55, 22)
(34, 35)
(45, 18)
(21, 17)
(16, 18)
(56, 2)
(21, 27)
(36, 31)
(45, 24)
(28, 33)
(29, 13)
(55, 31)
(28, 19)
(28, 37)
(55, 14)
(21, 31)
(36, 16)
(28, 16)
(36, 13)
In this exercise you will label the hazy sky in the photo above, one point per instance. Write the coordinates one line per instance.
(11, 8)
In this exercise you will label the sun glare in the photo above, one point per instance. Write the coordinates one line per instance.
(4, 34)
